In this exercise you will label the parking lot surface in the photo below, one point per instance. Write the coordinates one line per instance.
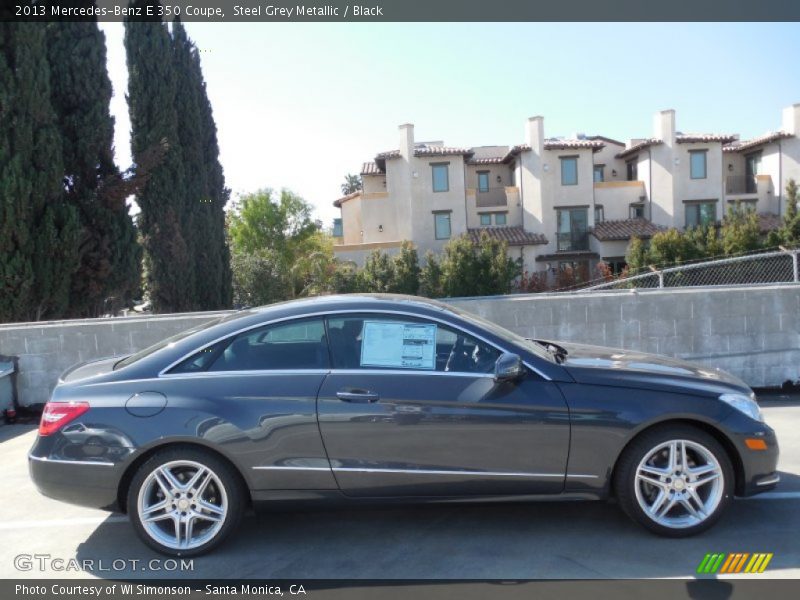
(508, 541)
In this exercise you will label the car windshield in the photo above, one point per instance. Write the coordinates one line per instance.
(505, 334)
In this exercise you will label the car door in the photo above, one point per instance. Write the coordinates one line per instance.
(254, 395)
(411, 408)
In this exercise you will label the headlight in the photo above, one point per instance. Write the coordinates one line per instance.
(745, 404)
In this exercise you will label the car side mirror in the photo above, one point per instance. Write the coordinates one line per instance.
(508, 367)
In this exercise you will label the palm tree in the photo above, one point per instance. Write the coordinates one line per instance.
(352, 183)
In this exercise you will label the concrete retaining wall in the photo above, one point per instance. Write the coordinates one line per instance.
(752, 332)
(46, 349)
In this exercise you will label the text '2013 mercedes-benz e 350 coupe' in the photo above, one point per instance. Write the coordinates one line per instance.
(370, 398)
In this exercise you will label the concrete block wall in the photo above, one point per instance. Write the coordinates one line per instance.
(752, 332)
(47, 348)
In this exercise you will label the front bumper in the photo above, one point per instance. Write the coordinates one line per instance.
(758, 468)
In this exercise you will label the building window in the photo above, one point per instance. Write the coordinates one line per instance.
(337, 228)
(573, 229)
(752, 167)
(599, 215)
(486, 219)
(500, 218)
(615, 264)
(441, 222)
(700, 214)
(441, 180)
(569, 170)
(636, 210)
(632, 169)
(599, 173)
(483, 181)
(697, 164)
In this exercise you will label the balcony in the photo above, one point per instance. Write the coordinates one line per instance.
(493, 196)
(572, 241)
(741, 184)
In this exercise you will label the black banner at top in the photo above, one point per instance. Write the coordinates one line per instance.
(376, 11)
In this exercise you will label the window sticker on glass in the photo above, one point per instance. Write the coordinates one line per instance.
(399, 345)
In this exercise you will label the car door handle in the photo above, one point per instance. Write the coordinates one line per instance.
(357, 396)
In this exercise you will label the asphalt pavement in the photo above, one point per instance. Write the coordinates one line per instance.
(43, 538)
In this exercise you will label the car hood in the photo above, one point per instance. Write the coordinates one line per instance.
(628, 368)
(89, 369)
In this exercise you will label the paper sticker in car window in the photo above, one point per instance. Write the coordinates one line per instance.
(398, 345)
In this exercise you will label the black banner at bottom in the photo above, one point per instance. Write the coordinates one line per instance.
(318, 589)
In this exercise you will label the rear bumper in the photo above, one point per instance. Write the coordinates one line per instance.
(92, 484)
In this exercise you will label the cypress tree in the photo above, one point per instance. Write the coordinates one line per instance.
(81, 95)
(205, 190)
(152, 89)
(38, 230)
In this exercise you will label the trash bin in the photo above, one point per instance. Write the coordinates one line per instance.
(7, 370)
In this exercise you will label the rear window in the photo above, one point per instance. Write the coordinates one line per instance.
(133, 358)
(283, 346)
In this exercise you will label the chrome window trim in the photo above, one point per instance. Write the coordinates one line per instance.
(60, 461)
(246, 373)
(329, 314)
(410, 371)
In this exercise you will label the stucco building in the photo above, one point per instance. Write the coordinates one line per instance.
(565, 201)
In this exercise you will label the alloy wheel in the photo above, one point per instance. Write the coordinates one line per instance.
(182, 504)
(679, 483)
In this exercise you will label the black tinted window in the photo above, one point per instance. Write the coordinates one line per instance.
(283, 346)
(380, 342)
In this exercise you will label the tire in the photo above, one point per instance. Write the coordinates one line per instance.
(206, 510)
(660, 495)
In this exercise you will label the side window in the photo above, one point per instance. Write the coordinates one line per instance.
(381, 342)
(283, 346)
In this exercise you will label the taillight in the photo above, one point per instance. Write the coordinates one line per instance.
(57, 414)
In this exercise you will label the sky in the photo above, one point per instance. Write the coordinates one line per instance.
(299, 106)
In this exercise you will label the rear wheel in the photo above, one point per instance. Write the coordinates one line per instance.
(675, 480)
(185, 501)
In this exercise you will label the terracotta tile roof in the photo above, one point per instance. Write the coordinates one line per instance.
(487, 160)
(426, 151)
(689, 138)
(513, 236)
(768, 222)
(603, 138)
(338, 203)
(371, 168)
(441, 151)
(388, 154)
(624, 229)
(572, 144)
(640, 146)
(739, 146)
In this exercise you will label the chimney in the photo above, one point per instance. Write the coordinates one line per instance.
(791, 119)
(534, 134)
(406, 140)
(664, 126)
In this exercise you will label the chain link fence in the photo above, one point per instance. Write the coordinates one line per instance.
(780, 266)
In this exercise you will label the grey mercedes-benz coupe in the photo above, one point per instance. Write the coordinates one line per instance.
(369, 398)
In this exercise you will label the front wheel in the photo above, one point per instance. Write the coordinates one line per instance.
(185, 501)
(675, 480)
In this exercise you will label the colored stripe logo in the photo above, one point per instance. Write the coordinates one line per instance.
(734, 562)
